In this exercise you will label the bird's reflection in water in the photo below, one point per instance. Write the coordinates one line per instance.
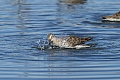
(73, 1)
(113, 26)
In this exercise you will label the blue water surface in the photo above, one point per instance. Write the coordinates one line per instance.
(24, 25)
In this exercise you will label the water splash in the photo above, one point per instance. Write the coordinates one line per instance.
(42, 44)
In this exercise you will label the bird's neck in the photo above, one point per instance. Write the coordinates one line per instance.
(55, 39)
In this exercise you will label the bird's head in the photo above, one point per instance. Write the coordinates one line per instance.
(50, 37)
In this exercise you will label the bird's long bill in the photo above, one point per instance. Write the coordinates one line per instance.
(49, 42)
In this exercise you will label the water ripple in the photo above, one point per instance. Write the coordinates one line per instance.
(24, 49)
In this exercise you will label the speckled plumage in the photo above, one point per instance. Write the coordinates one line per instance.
(68, 41)
(114, 17)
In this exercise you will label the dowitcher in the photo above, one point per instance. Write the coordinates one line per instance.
(114, 17)
(68, 41)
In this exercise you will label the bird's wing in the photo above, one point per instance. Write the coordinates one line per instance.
(73, 40)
